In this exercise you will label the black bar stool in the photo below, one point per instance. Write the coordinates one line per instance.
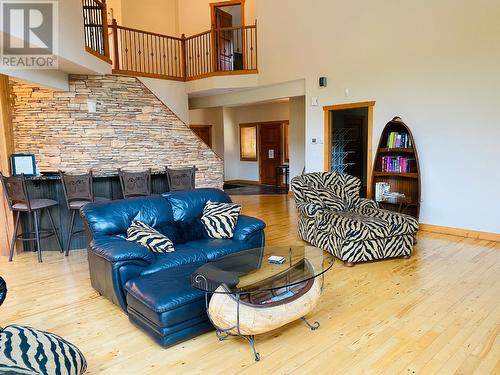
(19, 201)
(181, 179)
(135, 184)
(78, 191)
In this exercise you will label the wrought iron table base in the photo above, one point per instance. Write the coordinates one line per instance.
(223, 333)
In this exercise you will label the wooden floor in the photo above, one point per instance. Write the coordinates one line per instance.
(438, 312)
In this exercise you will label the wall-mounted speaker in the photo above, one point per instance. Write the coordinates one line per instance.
(322, 81)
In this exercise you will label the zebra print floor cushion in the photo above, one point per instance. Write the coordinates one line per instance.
(149, 237)
(24, 350)
(219, 219)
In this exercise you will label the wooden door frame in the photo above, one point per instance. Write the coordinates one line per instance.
(221, 4)
(258, 125)
(228, 3)
(328, 137)
(210, 127)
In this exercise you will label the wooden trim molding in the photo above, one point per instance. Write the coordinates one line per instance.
(226, 4)
(98, 55)
(244, 182)
(468, 233)
(328, 139)
(6, 149)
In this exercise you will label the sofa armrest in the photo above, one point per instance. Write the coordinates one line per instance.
(116, 249)
(246, 226)
(308, 209)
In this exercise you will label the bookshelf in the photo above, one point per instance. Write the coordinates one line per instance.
(396, 168)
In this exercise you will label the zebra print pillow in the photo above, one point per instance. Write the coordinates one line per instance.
(149, 237)
(219, 219)
(24, 350)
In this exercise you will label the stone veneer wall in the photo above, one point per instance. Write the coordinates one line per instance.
(132, 129)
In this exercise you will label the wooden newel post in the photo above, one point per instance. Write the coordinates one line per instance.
(214, 48)
(184, 56)
(116, 57)
(105, 35)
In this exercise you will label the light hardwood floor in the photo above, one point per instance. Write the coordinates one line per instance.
(438, 312)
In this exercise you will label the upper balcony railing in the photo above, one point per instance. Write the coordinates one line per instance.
(231, 50)
(219, 51)
(95, 28)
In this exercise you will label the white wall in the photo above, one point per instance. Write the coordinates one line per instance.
(194, 15)
(214, 117)
(234, 169)
(171, 93)
(436, 64)
(71, 54)
(296, 135)
(158, 16)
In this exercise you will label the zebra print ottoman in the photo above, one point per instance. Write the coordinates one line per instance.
(24, 350)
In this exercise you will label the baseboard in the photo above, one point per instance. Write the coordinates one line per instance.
(460, 232)
(245, 182)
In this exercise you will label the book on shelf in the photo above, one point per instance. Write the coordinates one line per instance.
(398, 164)
(380, 189)
(398, 140)
(383, 193)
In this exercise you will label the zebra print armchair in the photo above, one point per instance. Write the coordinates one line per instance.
(25, 350)
(333, 216)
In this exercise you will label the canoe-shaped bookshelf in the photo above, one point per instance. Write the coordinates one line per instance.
(396, 173)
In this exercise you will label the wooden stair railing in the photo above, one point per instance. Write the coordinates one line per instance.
(95, 28)
(142, 53)
(146, 54)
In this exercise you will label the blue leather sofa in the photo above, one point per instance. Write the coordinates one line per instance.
(155, 289)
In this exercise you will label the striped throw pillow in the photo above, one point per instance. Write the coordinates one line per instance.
(149, 237)
(25, 350)
(219, 219)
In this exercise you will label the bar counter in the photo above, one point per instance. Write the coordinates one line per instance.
(48, 185)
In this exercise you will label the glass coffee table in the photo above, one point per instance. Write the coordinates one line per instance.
(247, 295)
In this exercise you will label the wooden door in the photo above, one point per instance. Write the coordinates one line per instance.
(224, 40)
(204, 132)
(270, 152)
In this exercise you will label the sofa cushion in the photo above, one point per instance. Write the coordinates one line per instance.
(189, 205)
(351, 226)
(114, 217)
(398, 223)
(219, 219)
(149, 237)
(25, 350)
(183, 254)
(215, 248)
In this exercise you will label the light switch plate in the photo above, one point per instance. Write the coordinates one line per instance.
(92, 106)
(315, 101)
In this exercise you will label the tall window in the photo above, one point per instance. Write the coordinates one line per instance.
(248, 142)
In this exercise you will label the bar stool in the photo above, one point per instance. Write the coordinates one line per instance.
(78, 191)
(181, 179)
(135, 184)
(19, 201)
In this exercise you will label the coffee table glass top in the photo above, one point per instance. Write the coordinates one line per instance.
(250, 271)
